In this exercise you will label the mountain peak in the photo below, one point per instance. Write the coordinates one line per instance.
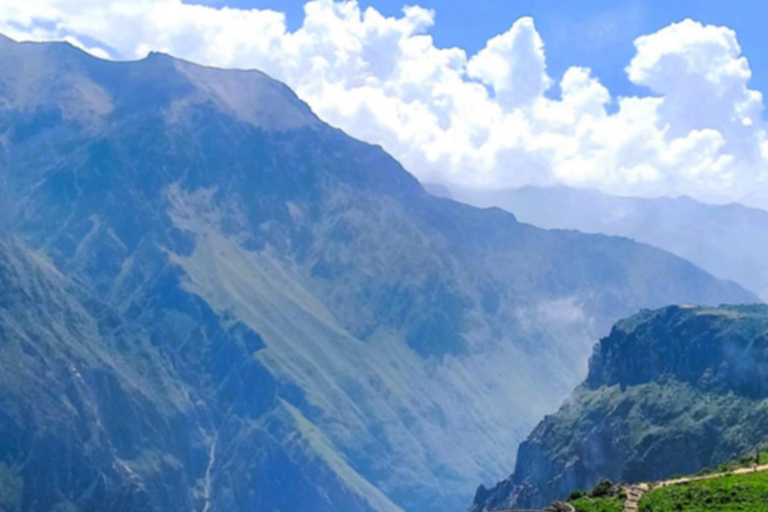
(250, 95)
(40, 71)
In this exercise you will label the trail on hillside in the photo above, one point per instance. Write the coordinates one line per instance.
(635, 492)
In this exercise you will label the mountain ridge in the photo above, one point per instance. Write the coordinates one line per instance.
(312, 300)
(723, 239)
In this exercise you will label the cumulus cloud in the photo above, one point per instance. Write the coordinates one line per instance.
(688, 64)
(478, 121)
(513, 64)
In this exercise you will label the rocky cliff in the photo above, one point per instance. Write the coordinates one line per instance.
(669, 392)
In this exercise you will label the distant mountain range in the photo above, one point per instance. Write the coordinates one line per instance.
(669, 392)
(729, 241)
(213, 301)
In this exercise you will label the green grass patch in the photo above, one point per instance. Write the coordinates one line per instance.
(745, 461)
(585, 504)
(733, 493)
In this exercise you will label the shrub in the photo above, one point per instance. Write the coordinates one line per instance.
(578, 493)
(602, 489)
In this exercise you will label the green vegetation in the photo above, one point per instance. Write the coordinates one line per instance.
(604, 497)
(745, 461)
(743, 493)
(575, 495)
(669, 392)
(726, 492)
(604, 489)
(607, 504)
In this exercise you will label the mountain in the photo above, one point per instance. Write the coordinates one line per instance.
(669, 392)
(93, 418)
(339, 338)
(728, 241)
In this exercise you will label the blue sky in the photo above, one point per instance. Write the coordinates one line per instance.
(594, 33)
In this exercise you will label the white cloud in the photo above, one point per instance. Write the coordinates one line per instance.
(513, 64)
(693, 65)
(482, 121)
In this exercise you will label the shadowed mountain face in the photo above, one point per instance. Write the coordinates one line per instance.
(336, 338)
(729, 241)
(93, 416)
(669, 392)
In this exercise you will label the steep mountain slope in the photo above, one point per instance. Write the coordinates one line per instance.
(669, 392)
(728, 241)
(92, 416)
(67, 368)
(354, 341)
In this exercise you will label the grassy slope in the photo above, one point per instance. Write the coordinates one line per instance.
(743, 493)
(745, 461)
(587, 504)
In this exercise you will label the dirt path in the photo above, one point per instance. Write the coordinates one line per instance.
(635, 492)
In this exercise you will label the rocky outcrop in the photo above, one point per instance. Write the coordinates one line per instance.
(669, 392)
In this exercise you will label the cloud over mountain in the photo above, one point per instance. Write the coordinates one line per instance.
(491, 119)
